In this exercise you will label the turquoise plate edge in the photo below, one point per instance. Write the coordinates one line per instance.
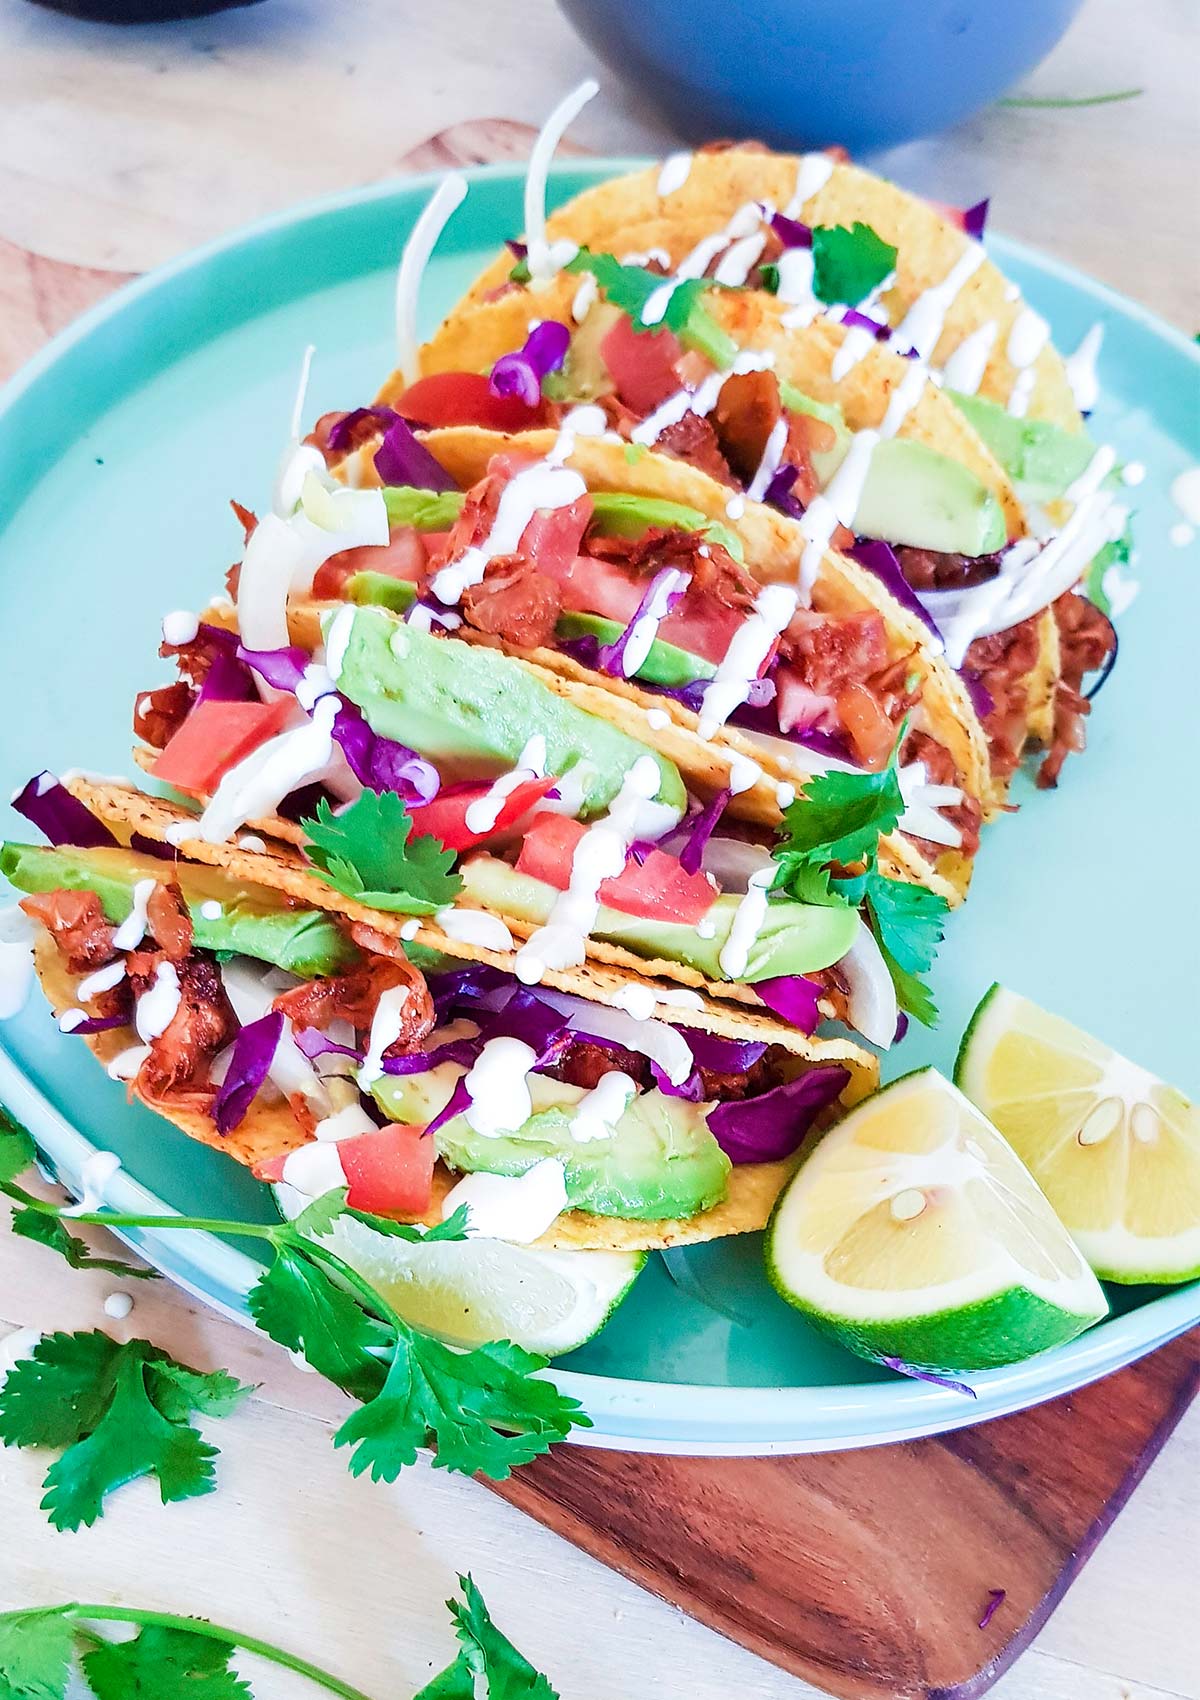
(680, 1416)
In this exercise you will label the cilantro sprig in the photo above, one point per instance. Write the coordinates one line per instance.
(171, 1655)
(367, 852)
(834, 828)
(630, 287)
(849, 263)
(483, 1411)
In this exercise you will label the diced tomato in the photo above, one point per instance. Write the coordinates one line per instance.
(403, 556)
(589, 585)
(446, 816)
(390, 1173)
(658, 889)
(433, 542)
(215, 737)
(463, 398)
(867, 726)
(641, 364)
(552, 539)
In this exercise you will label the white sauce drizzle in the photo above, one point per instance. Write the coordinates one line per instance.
(15, 1347)
(477, 927)
(98, 1172)
(103, 980)
(773, 608)
(735, 264)
(599, 855)
(1133, 472)
(636, 999)
(965, 368)
(1081, 369)
(516, 1208)
(744, 774)
(676, 169)
(445, 200)
(814, 172)
(768, 466)
(1185, 493)
(256, 786)
(498, 1087)
(748, 918)
(481, 815)
(180, 626)
(795, 290)
(315, 1169)
(585, 297)
(645, 627)
(1026, 340)
(543, 486)
(118, 1306)
(386, 1023)
(657, 719)
(921, 803)
(156, 1008)
(921, 327)
(347, 1123)
(837, 504)
(547, 259)
(904, 398)
(211, 909)
(126, 1064)
(599, 1110)
(132, 929)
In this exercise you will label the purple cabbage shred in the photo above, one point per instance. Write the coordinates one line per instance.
(901, 1368)
(402, 459)
(253, 1053)
(45, 801)
(520, 373)
(794, 998)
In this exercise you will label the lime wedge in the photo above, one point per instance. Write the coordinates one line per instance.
(1115, 1149)
(468, 1292)
(913, 1231)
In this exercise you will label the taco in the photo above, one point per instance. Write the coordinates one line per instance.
(879, 275)
(323, 1047)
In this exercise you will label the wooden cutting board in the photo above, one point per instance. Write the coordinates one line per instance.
(867, 1573)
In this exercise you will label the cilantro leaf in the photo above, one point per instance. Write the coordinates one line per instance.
(840, 818)
(453, 1228)
(95, 1399)
(35, 1655)
(849, 264)
(164, 1664)
(300, 1307)
(908, 922)
(485, 1653)
(1117, 553)
(365, 852)
(53, 1233)
(17, 1150)
(768, 279)
(461, 1400)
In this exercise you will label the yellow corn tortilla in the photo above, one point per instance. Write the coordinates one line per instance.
(270, 1130)
(628, 214)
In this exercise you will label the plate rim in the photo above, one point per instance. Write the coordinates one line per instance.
(629, 1414)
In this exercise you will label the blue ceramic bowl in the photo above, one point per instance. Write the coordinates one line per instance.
(808, 73)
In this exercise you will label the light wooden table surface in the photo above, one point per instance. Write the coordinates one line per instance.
(119, 149)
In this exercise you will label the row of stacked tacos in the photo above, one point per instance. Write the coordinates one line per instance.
(573, 782)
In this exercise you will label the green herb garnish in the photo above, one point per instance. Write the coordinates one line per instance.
(849, 264)
(365, 852)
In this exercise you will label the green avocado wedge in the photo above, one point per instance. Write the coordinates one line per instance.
(619, 513)
(471, 711)
(1041, 458)
(665, 663)
(424, 510)
(921, 499)
(660, 1160)
(251, 920)
(795, 938)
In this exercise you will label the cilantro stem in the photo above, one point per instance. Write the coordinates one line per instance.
(127, 1219)
(213, 1631)
(374, 1301)
(1050, 101)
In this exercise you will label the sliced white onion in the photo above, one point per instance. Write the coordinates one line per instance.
(250, 995)
(795, 757)
(872, 1008)
(731, 861)
(446, 198)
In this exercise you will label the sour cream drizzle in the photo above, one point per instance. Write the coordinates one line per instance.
(814, 172)
(922, 326)
(598, 1112)
(773, 608)
(748, 918)
(475, 926)
(965, 368)
(599, 855)
(132, 929)
(258, 784)
(1026, 340)
(481, 815)
(498, 1087)
(546, 259)
(386, 1024)
(517, 1208)
(645, 627)
(676, 169)
(156, 1008)
(1081, 369)
(837, 504)
(445, 200)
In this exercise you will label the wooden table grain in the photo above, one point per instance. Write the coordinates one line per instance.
(119, 149)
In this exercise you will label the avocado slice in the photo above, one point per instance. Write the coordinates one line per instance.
(380, 590)
(252, 922)
(425, 510)
(913, 495)
(471, 710)
(665, 664)
(1040, 457)
(795, 938)
(620, 513)
(659, 1161)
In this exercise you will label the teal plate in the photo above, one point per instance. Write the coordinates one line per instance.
(119, 447)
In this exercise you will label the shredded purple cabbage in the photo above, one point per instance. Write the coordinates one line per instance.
(996, 1596)
(778, 493)
(981, 697)
(45, 801)
(864, 321)
(794, 998)
(700, 830)
(226, 679)
(974, 219)
(152, 847)
(901, 1368)
(520, 373)
(723, 1056)
(901, 1027)
(611, 656)
(518, 250)
(96, 1024)
(281, 668)
(253, 1053)
(401, 459)
(881, 560)
(771, 1126)
(341, 436)
(790, 231)
(460, 1100)
(381, 764)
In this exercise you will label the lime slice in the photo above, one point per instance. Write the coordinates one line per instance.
(468, 1292)
(913, 1231)
(1115, 1149)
